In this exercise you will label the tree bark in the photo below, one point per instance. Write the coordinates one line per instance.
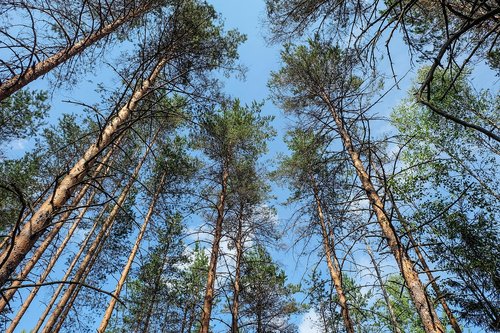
(439, 295)
(237, 273)
(10, 86)
(423, 304)
(40, 220)
(69, 270)
(49, 267)
(212, 268)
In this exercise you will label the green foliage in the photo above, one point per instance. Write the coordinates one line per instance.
(311, 72)
(234, 132)
(153, 301)
(22, 115)
(402, 305)
(17, 188)
(266, 299)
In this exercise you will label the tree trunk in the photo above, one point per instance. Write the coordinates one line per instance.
(333, 264)
(49, 267)
(439, 295)
(392, 315)
(260, 329)
(40, 220)
(423, 304)
(237, 273)
(101, 236)
(133, 252)
(156, 289)
(10, 86)
(212, 268)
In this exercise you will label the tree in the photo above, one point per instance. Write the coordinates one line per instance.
(228, 137)
(309, 175)
(266, 300)
(153, 298)
(445, 33)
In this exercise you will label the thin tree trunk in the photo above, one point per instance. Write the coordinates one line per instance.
(103, 234)
(7, 296)
(212, 268)
(423, 304)
(87, 269)
(10, 86)
(260, 329)
(156, 290)
(133, 252)
(237, 287)
(192, 316)
(40, 220)
(185, 311)
(74, 295)
(392, 316)
(333, 264)
(151, 305)
(453, 321)
(439, 295)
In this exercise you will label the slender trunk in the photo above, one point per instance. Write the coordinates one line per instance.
(151, 305)
(74, 295)
(439, 295)
(133, 252)
(333, 264)
(392, 315)
(7, 296)
(184, 317)
(10, 86)
(102, 234)
(156, 290)
(260, 329)
(40, 220)
(423, 304)
(69, 270)
(237, 273)
(212, 268)
(87, 267)
(192, 316)
(453, 321)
